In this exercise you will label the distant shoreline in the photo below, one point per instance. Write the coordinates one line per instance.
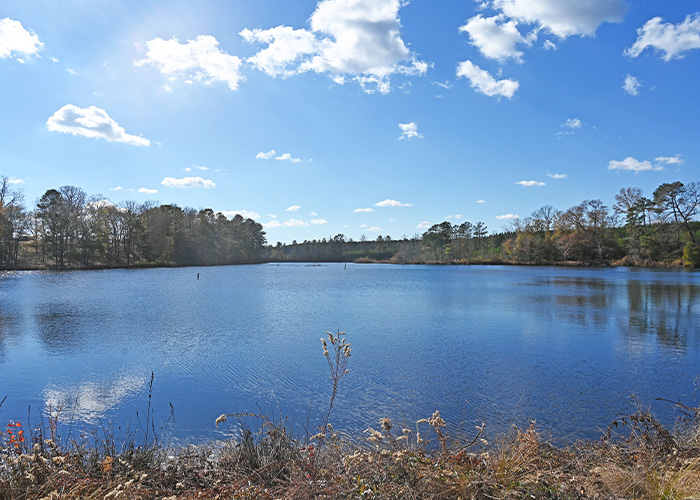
(570, 264)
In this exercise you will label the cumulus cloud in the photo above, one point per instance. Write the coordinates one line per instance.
(319, 221)
(271, 154)
(507, 217)
(148, 191)
(13, 180)
(293, 208)
(531, 183)
(288, 223)
(91, 122)
(355, 40)
(483, 82)
(265, 156)
(409, 131)
(672, 39)
(564, 17)
(243, 213)
(456, 216)
(374, 229)
(120, 188)
(631, 85)
(481, 201)
(670, 160)
(188, 182)
(556, 176)
(363, 210)
(424, 225)
(286, 47)
(287, 157)
(631, 164)
(15, 41)
(392, 203)
(494, 37)
(572, 123)
(198, 60)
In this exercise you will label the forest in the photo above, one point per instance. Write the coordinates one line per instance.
(67, 229)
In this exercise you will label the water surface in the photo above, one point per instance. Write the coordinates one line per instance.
(562, 346)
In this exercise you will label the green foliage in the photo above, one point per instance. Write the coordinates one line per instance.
(691, 255)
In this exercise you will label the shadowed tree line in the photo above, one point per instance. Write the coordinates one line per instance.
(69, 229)
(637, 231)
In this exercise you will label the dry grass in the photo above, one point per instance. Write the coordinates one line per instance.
(637, 458)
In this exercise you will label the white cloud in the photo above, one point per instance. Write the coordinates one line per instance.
(631, 164)
(483, 82)
(103, 203)
(243, 213)
(447, 85)
(199, 167)
(13, 180)
(319, 221)
(409, 131)
(556, 176)
(481, 201)
(631, 85)
(148, 191)
(362, 210)
(17, 41)
(572, 123)
(71, 71)
(355, 40)
(293, 208)
(119, 188)
(288, 223)
(670, 160)
(424, 225)
(54, 59)
(91, 122)
(188, 182)
(673, 39)
(456, 216)
(374, 229)
(494, 37)
(564, 17)
(285, 49)
(549, 45)
(531, 183)
(313, 214)
(265, 156)
(392, 203)
(507, 217)
(287, 157)
(271, 154)
(198, 60)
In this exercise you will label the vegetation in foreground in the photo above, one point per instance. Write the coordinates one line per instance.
(637, 458)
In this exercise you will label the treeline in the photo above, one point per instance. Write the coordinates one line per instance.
(659, 230)
(68, 229)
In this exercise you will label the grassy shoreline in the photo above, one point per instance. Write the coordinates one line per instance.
(636, 458)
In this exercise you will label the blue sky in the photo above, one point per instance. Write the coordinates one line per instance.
(350, 116)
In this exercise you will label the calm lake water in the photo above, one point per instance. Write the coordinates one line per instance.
(501, 345)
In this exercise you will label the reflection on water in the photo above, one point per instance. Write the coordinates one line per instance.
(499, 345)
(90, 400)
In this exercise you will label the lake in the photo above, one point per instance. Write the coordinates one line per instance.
(502, 345)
